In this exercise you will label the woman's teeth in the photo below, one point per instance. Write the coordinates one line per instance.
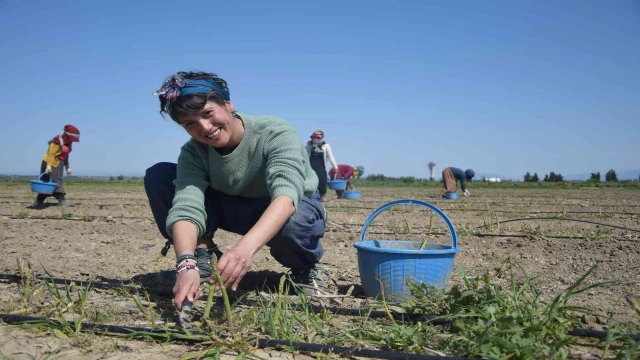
(213, 134)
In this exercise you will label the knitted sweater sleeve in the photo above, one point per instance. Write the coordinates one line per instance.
(191, 183)
(285, 168)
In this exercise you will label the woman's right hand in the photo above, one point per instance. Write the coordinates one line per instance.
(187, 287)
(48, 169)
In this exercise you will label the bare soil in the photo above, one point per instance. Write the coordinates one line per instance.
(109, 234)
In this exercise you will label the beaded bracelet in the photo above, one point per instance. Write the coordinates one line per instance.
(185, 261)
(187, 267)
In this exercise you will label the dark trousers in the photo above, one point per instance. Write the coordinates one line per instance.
(296, 246)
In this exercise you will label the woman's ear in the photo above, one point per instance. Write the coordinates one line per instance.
(229, 105)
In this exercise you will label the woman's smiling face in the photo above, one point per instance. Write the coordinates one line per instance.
(214, 125)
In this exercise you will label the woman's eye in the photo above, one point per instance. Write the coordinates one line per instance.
(208, 114)
(188, 124)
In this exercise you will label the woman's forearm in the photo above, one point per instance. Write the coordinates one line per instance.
(185, 237)
(271, 221)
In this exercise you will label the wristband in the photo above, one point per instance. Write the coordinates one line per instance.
(187, 267)
(184, 256)
(186, 261)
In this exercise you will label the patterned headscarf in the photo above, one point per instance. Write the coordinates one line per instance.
(316, 139)
(360, 169)
(177, 86)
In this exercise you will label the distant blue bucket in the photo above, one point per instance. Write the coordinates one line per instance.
(351, 195)
(43, 187)
(391, 263)
(337, 184)
(451, 196)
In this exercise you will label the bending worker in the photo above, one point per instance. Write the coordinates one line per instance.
(345, 172)
(450, 177)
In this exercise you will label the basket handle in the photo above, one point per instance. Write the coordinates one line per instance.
(452, 230)
(41, 175)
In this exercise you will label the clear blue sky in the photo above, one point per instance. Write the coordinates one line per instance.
(503, 87)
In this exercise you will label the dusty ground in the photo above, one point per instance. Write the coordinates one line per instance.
(109, 234)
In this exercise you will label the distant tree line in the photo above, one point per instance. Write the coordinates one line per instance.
(553, 177)
(404, 179)
(610, 176)
(550, 177)
(121, 177)
(529, 178)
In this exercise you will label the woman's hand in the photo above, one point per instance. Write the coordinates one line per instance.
(187, 287)
(235, 263)
(69, 172)
(233, 266)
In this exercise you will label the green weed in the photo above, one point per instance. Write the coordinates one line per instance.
(66, 215)
(497, 323)
(72, 299)
(26, 285)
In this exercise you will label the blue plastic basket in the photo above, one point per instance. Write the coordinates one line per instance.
(351, 195)
(391, 263)
(451, 196)
(337, 184)
(43, 187)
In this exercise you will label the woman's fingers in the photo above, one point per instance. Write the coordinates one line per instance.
(186, 287)
(232, 268)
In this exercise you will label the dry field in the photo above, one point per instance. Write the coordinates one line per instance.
(108, 234)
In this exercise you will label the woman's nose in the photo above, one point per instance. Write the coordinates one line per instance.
(205, 126)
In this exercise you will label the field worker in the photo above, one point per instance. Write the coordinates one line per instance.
(345, 172)
(55, 161)
(319, 152)
(242, 173)
(451, 175)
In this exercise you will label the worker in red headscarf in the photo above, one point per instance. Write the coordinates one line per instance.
(54, 162)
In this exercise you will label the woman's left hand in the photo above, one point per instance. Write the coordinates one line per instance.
(69, 172)
(233, 266)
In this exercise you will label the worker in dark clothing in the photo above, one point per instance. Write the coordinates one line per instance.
(450, 177)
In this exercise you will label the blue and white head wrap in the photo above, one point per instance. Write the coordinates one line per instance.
(177, 86)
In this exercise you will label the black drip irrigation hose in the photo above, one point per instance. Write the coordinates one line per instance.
(22, 201)
(511, 236)
(351, 208)
(86, 218)
(260, 343)
(522, 219)
(378, 314)
(74, 204)
(430, 318)
(567, 219)
(82, 283)
(78, 218)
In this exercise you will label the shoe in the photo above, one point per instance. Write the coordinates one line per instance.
(312, 280)
(203, 258)
(63, 203)
(37, 204)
